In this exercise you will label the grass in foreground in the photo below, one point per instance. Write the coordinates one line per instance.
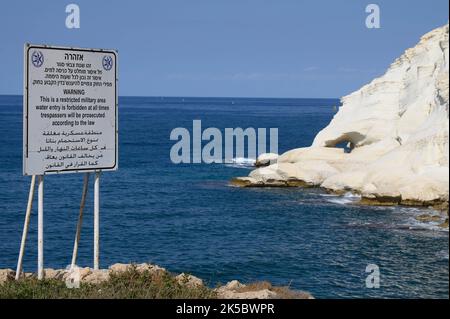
(125, 285)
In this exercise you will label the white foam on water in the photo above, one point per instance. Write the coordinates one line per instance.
(347, 198)
(242, 162)
(415, 224)
(443, 254)
(328, 195)
(411, 214)
(340, 201)
(352, 195)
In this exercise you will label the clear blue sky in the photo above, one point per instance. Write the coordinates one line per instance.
(255, 48)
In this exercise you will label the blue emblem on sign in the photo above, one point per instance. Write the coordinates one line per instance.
(107, 62)
(37, 58)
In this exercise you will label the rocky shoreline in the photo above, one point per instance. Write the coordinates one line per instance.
(396, 132)
(372, 200)
(88, 276)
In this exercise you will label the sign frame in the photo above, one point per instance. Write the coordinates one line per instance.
(25, 150)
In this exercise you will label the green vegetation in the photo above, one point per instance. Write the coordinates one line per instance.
(124, 285)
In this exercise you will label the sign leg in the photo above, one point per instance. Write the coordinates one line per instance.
(25, 227)
(96, 219)
(40, 226)
(80, 220)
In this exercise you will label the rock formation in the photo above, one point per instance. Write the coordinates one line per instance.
(265, 159)
(396, 129)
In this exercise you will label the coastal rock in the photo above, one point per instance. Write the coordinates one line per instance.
(150, 268)
(96, 276)
(260, 294)
(444, 224)
(6, 275)
(428, 218)
(396, 129)
(233, 290)
(85, 272)
(233, 285)
(259, 290)
(266, 159)
(189, 280)
(57, 274)
(118, 267)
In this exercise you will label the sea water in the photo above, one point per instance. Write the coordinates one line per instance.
(187, 218)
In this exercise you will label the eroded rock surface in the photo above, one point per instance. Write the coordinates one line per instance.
(396, 129)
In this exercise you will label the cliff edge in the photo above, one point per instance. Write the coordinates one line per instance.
(396, 130)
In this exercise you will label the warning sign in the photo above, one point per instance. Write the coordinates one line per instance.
(70, 110)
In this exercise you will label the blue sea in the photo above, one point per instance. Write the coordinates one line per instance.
(187, 218)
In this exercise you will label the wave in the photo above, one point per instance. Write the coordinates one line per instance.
(412, 213)
(414, 224)
(242, 162)
(347, 198)
(443, 254)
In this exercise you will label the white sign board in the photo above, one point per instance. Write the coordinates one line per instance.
(70, 110)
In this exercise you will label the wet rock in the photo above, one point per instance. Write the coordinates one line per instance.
(444, 224)
(426, 218)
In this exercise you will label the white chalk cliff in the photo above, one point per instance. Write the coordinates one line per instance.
(397, 129)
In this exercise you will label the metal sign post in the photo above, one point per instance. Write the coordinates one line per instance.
(80, 220)
(69, 126)
(40, 227)
(25, 227)
(96, 220)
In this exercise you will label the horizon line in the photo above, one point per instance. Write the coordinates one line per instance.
(207, 97)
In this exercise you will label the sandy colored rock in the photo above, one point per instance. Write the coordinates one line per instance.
(426, 218)
(6, 275)
(233, 285)
(149, 267)
(259, 290)
(57, 274)
(118, 267)
(96, 276)
(260, 294)
(28, 275)
(84, 272)
(189, 280)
